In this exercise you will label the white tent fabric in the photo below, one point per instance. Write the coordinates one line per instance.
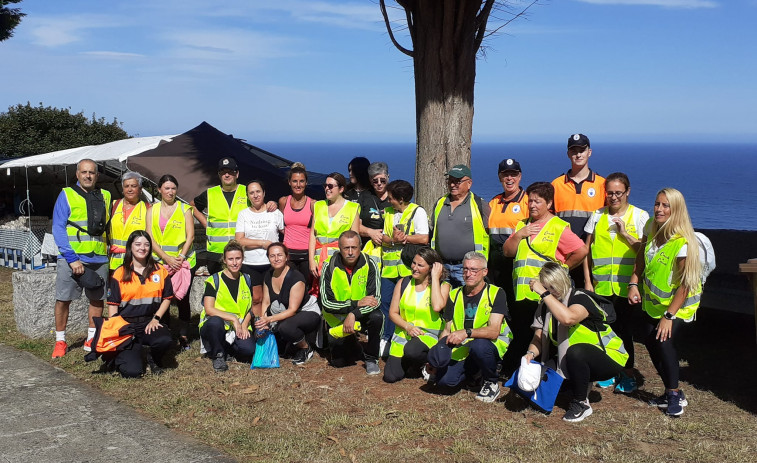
(113, 151)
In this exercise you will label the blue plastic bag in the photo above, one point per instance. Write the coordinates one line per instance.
(266, 352)
(545, 395)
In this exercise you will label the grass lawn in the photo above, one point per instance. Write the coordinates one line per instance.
(317, 413)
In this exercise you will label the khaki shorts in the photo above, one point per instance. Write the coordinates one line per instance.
(68, 289)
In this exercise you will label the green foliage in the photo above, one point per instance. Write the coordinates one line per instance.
(9, 18)
(26, 130)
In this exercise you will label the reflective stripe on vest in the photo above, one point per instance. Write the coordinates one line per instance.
(527, 264)
(480, 237)
(480, 320)
(504, 222)
(80, 242)
(613, 259)
(658, 287)
(222, 219)
(327, 229)
(391, 258)
(569, 203)
(226, 303)
(418, 311)
(120, 231)
(172, 239)
(138, 298)
(346, 289)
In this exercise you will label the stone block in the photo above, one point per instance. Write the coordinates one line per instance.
(34, 305)
(195, 295)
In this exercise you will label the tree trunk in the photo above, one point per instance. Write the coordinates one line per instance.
(444, 58)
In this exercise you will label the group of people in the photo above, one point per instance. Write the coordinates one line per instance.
(460, 295)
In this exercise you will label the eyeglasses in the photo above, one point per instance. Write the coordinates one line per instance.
(474, 271)
(456, 181)
(616, 193)
(378, 181)
(330, 186)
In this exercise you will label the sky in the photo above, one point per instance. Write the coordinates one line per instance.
(326, 70)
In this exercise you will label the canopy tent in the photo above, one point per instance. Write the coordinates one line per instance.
(193, 156)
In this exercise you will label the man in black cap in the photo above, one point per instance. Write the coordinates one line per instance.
(459, 223)
(507, 209)
(223, 204)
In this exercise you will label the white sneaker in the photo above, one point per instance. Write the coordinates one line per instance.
(384, 348)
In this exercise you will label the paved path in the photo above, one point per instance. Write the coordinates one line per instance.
(46, 415)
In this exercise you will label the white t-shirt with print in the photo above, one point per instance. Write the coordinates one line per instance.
(259, 226)
(638, 216)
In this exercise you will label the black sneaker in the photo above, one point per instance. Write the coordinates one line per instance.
(489, 392)
(662, 401)
(302, 356)
(676, 402)
(219, 363)
(577, 411)
(154, 368)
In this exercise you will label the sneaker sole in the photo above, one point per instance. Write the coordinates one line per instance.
(684, 403)
(488, 400)
(577, 419)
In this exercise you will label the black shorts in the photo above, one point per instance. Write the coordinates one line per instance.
(256, 273)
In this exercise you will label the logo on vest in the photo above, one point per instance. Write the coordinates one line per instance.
(516, 208)
(591, 192)
(155, 278)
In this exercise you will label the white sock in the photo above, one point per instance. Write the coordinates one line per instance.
(60, 336)
(90, 333)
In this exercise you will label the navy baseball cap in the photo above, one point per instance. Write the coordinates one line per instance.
(440, 355)
(578, 139)
(227, 163)
(509, 164)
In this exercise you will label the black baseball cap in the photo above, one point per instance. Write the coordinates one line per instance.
(227, 163)
(509, 164)
(578, 139)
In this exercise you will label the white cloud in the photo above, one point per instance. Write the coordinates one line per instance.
(49, 31)
(112, 54)
(228, 44)
(684, 4)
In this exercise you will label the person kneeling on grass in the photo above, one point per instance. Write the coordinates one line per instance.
(140, 292)
(414, 311)
(287, 310)
(225, 320)
(476, 335)
(587, 348)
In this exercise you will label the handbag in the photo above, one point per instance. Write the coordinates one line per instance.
(266, 352)
(409, 250)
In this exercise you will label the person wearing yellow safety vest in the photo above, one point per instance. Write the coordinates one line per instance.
(541, 238)
(671, 274)
(83, 256)
(459, 223)
(225, 321)
(575, 323)
(128, 214)
(331, 217)
(171, 226)
(404, 223)
(476, 334)
(415, 310)
(613, 235)
(223, 204)
(578, 192)
(507, 209)
(350, 291)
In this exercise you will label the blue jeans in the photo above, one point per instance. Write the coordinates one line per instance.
(387, 291)
(455, 274)
(483, 357)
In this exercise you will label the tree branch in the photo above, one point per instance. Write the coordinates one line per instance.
(399, 47)
(481, 19)
(516, 16)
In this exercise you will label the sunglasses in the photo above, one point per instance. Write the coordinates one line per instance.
(330, 186)
(378, 181)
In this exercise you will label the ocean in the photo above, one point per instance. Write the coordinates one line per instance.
(717, 180)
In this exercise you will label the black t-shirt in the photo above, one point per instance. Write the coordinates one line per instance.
(372, 210)
(499, 306)
(201, 200)
(290, 279)
(231, 284)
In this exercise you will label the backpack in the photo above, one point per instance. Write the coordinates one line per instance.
(97, 221)
(706, 255)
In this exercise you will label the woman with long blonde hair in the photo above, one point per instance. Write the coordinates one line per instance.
(671, 277)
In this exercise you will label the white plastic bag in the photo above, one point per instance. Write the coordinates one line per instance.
(529, 375)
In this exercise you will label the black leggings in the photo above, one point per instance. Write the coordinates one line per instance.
(299, 326)
(585, 363)
(347, 348)
(413, 357)
(521, 318)
(663, 354)
(627, 315)
(129, 362)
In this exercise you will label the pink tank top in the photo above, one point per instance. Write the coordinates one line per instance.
(297, 225)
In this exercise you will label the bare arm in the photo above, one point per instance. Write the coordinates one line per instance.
(587, 263)
(566, 315)
(190, 231)
(575, 258)
(199, 215)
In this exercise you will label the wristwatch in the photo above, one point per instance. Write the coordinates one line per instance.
(669, 316)
(468, 332)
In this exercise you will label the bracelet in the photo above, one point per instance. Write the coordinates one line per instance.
(531, 352)
(633, 284)
(182, 256)
(544, 294)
